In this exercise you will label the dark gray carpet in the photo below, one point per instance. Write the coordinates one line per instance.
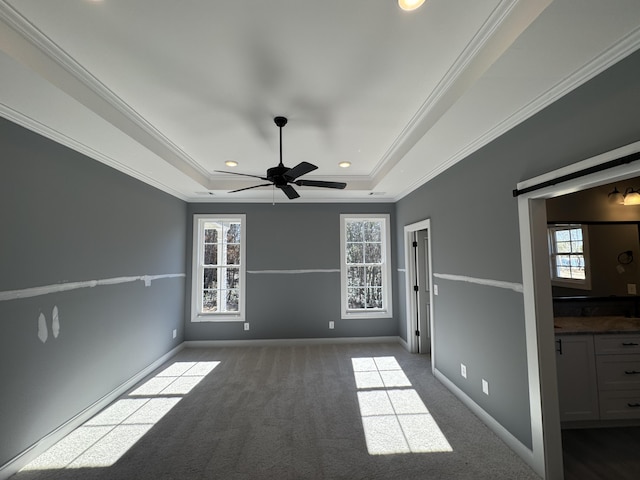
(293, 413)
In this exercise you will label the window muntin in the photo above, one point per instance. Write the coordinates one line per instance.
(569, 256)
(219, 268)
(366, 279)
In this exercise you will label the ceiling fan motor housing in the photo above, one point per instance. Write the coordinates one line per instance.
(277, 175)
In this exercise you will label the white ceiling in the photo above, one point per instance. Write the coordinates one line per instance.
(167, 91)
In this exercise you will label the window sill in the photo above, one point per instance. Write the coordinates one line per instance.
(365, 315)
(217, 318)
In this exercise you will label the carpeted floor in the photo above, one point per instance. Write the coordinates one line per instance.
(291, 412)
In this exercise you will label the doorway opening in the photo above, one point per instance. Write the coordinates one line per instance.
(538, 305)
(419, 300)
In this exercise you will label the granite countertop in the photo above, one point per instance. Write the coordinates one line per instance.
(575, 325)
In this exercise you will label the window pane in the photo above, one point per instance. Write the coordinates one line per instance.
(374, 276)
(563, 247)
(564, 272)
(355, 276)
(372, 231)
(355, 298)
(576, 246)
(374, 297)
(233, 254)
(209, 301)
(576, 234)
(211, 254)
(354, 231)
(355, 253)
(373, 253)
(562, 236)
(210, 235)
(233, 278)
(563, 260)
(233, 234)
(210, 278)
(232, 300)
(577, 261)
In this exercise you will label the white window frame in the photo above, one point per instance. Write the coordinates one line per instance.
(387, 310)
(198, 266)
(569, 282)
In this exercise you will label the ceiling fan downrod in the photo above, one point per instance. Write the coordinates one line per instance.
(280, 122)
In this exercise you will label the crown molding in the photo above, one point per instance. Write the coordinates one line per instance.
(50, 49)
(625, 47)
(438, 101)
(58, 137)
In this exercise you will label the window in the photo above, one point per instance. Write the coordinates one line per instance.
(569, 256)
(218, 268)
(365, 266)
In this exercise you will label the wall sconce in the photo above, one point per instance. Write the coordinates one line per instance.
(616, 197)
(630, 197)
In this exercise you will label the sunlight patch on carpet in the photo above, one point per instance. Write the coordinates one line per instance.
(394, 417)
(106, 437)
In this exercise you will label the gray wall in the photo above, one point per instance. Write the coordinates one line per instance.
(291, 235)
(66, 218)
(481, 326)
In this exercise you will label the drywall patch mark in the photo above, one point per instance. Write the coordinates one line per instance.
(65, 287)
(296, 271)
(43, 332)
(516, 287)
(55, 324)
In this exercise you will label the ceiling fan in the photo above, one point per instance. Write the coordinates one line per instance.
(283, 177)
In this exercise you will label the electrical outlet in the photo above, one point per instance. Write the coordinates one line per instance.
(435, 289)
(485, 387)
(463, 370)
(246, 326)
(175, 333)
(331, 325)
(631, 288)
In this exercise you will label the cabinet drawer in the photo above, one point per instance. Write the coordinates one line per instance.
(617, 344)
(620, 404)
(618, 372)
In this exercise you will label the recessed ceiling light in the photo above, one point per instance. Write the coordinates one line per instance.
(409, 5)
(231, 163)
(344, 164)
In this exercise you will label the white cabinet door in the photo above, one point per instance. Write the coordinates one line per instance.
(577, 381)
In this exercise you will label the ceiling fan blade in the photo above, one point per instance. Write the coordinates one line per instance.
(243, 174)
(290, 192)
(299, 170)
(320, 183)
(249, 188)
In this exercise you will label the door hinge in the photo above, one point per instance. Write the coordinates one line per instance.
(416, 288)
(417, 333)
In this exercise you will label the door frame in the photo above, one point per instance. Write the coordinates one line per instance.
(538, 302)
(410, 274)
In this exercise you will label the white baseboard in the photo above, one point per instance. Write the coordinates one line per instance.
(23, 458)
(288, 342)
(507, 437)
